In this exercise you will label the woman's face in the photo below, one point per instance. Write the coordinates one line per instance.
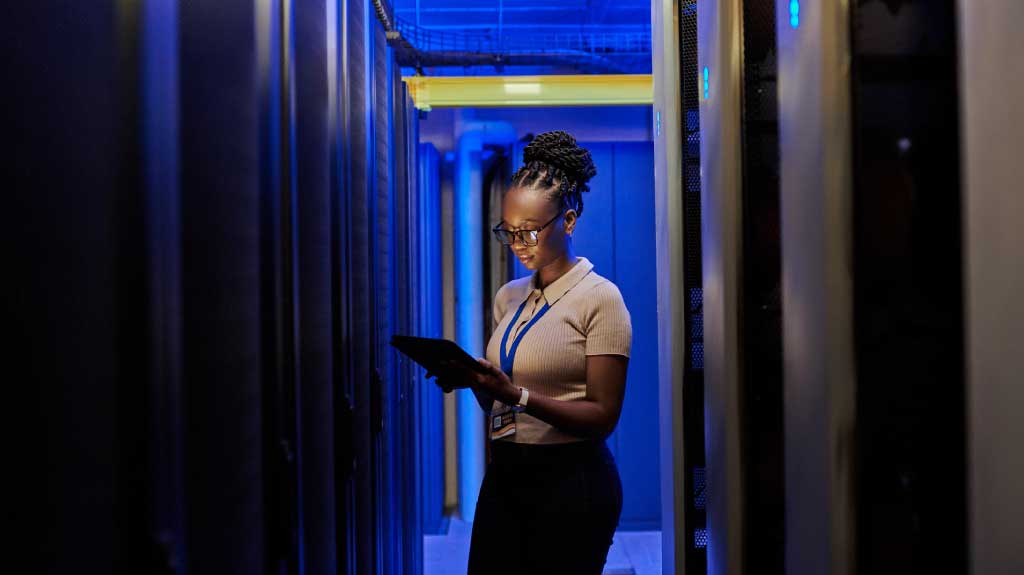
(529, 209)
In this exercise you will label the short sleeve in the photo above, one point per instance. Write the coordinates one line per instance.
(609, 329)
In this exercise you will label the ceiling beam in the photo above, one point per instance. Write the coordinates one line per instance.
(522, 91)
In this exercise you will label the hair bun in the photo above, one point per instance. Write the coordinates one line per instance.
(559, 150)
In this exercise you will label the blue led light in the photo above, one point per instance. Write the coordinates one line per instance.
(794, 13)
(707, 83)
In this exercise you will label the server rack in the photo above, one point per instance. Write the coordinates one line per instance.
(695, 478)
(761, 294)
(907, 288)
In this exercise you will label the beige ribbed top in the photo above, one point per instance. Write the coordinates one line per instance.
(587, 316)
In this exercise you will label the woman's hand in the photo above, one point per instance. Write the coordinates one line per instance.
(493, 382)
(448, 380)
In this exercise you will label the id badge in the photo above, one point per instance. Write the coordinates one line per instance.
(503, 424)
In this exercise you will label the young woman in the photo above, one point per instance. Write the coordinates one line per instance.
(556, 377)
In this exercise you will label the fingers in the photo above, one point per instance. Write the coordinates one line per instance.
(450, 376)
(494, 371)
(491, 368)
(457, 370)
(446, 384)
(445, 366)
(454, 375)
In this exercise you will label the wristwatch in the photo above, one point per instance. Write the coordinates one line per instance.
(524, 397)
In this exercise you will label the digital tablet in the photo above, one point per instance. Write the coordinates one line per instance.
(430, 352)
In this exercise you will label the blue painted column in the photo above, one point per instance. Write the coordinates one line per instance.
(469, 297)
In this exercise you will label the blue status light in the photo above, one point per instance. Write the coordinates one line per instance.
(794, 13)
(707, 82)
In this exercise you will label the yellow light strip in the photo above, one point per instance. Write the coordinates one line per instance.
(515, 91)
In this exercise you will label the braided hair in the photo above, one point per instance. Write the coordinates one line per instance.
(553, 162)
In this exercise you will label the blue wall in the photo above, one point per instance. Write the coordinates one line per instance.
(442, 126)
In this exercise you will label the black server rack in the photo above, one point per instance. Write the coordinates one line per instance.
(760, 315)
(695, 522)
(908, 310)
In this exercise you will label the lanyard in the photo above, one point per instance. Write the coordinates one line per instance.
(507, 359)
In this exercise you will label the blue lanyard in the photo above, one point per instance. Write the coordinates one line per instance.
(507, 359)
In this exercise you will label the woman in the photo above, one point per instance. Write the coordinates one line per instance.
(555, 382)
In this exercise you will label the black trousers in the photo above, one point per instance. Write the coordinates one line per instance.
(546, 509)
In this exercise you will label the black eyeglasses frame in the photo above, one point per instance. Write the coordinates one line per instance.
(497, 230)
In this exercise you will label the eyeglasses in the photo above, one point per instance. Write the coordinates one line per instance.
(526, 237)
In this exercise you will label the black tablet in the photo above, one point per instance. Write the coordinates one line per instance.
(430, 352)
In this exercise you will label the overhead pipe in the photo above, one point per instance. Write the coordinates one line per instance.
(382, 15)
(436, 58)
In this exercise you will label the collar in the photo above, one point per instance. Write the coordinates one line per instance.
(569, 279)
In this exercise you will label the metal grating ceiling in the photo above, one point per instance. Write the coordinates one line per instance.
(553, 36)
(512, 15)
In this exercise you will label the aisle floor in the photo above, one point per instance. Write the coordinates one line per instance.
(632, 552)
